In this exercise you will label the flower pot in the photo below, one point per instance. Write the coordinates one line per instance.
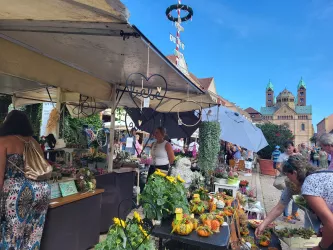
(266, 167)
(232, 181)
(220, 180)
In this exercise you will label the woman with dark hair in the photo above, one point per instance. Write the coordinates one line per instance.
(23, 202)
(316, 187)
(161, 152)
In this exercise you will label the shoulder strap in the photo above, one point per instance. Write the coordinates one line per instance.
(15, 166)
(19, 137)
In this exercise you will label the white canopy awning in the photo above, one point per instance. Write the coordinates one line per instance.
(83, 47)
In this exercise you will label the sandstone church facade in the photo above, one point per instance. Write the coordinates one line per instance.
(291, 111)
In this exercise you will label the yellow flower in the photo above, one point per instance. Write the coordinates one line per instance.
(136, 215)
(180, 179)
(171, 179)
(160, 173)
(145, 234)
(119, 222)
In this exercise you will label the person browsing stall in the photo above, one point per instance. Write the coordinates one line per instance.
(23, 201)
(296, 169)
(161, 152)
(326, 142)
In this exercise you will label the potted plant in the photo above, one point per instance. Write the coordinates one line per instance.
(220, 175)
(276, 135)
(166, 193)
(233, 178)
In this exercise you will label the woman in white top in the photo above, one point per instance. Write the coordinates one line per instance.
(161, 152)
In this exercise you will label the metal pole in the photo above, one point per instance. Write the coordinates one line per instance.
(58, 107)
(112, 127)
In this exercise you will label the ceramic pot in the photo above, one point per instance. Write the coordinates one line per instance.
(266, 167)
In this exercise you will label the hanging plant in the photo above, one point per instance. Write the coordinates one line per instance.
(209, 141)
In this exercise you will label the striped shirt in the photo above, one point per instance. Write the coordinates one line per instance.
(276, 154)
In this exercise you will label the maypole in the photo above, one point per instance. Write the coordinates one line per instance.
(178, 20)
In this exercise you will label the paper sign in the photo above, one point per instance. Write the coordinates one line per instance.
(129, 142)
(146, 102)
(67, 188)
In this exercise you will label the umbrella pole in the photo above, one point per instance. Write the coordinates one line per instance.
(112, 128)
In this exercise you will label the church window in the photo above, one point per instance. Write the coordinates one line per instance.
(303, 127)
(302, 100)
(301, 93)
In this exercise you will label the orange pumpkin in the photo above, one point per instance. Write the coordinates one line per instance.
(215, 226)
(204, 231)
(264, 241)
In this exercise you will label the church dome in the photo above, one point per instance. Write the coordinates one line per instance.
(285, 96)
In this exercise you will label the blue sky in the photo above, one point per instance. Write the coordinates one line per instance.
(243, 44)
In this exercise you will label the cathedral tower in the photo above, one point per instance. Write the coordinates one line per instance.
(301, 93)
(269, 94)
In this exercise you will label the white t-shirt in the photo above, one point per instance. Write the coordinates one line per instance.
(159, 154)
(283, 157)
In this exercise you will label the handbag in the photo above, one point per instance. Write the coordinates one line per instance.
(35, 166)
(279, 182)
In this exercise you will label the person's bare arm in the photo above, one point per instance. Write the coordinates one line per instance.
(3, 158)
(321, 209)
(271, 216)
(171, 155)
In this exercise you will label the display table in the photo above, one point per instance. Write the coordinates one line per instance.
(215, 241)
(73, 222)
(118, 186)
(233, 188)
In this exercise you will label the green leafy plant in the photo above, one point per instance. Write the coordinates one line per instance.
(275, 135)
(209, 141)
(135, 238)
(166, 193)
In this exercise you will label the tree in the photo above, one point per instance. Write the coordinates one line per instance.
(314, 139)
(276, 135)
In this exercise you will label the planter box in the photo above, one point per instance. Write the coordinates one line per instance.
(266, 167)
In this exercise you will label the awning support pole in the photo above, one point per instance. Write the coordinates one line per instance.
(58, 107)
(112, 127)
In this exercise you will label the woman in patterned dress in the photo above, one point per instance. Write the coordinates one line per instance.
(23, 202)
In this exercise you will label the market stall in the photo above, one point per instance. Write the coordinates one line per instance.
(56, 45)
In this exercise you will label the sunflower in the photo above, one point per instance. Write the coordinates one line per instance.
(171, 179)
(145, 234)
(160, 174)
(136, 215)
(119, 222)
(180, 179)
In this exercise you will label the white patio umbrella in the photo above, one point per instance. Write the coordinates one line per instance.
(236, 129)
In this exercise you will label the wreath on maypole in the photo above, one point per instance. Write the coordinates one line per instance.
(182, 7)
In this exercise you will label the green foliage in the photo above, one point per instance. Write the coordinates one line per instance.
(72, 128)
(314, 139)
(117, 239)
(209, 141)
(166, 193)
(34, 113)
(276, 135)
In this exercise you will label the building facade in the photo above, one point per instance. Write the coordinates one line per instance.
(325, 126)
(254, 114)
(291, 111)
